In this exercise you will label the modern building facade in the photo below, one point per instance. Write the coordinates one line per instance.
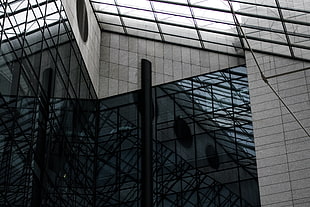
(229, 102)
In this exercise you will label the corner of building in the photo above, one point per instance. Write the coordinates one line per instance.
(90, 49)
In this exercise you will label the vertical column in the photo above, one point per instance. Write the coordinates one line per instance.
(146, 131)
(40, 150)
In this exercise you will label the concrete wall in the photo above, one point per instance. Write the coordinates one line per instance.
(90, 49)
(120, 60)
(282, 147)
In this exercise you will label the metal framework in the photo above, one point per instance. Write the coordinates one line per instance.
(216, 109)
(46, 130)
(61, 146)
(209, 25)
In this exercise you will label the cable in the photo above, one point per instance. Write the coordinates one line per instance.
(260, 70)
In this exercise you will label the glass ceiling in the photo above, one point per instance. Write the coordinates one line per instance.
(209, 24)
(16, 19)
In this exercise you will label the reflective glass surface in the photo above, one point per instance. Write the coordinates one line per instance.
(47, 109)
(203, 147)
(61, 146)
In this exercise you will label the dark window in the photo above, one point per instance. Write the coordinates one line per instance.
(82, 19)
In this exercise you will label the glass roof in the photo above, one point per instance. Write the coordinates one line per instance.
(209, 24)
(16, 19)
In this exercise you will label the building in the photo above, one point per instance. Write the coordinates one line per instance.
(229, 106)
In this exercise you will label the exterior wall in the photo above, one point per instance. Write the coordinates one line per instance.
(282, 147)
(90, 49)
(121, 55)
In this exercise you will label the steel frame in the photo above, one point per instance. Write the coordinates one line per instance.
(91, 151)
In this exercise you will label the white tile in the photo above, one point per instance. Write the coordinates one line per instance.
(114, 55)
(185, 52)
(124, 44)
(133, 75)
(168, 51)
(123, 73)
(133, 44)
(133, 60)
(194, 55)
(150, 48)
(123, 58)
(168, 67)
(114, 41)
(113, 70)
(159, 65)
(159, 50)
(186, 70)
(123, 87)
(142, 48)
(113, 87)
(177, 70)
(176, 53)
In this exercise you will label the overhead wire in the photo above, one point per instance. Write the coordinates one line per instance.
(238, 25)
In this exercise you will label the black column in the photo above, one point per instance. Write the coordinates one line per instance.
(38, 188)
(146, 131)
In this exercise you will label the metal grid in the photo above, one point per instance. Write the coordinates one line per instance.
(216, 108)
(46, 131)
(209, 25)
(71, 167)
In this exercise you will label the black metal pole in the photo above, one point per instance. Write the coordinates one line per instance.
(146, 132)
(38, 188)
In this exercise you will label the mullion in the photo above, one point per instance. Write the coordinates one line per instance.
(285, 29)
(156, 20)
(120, 17)
(195, 23)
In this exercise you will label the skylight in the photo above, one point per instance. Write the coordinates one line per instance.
(199, 23)
(208, 24)
(37, 15)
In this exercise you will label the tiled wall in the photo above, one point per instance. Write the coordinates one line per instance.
(90, 49)
(282, 147)
(121, 55)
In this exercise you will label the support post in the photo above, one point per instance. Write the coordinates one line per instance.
(146, 132)
(38, 188)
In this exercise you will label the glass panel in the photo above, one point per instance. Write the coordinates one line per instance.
(109, 19)
(182, 32)
(105, 7)
(140, 24)
(143, 4)
(300, 41)
(187, 21)
(114, 28)
(172, 9)
(303, 53)
(178, 1)
(144, 33)
(137, 13)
